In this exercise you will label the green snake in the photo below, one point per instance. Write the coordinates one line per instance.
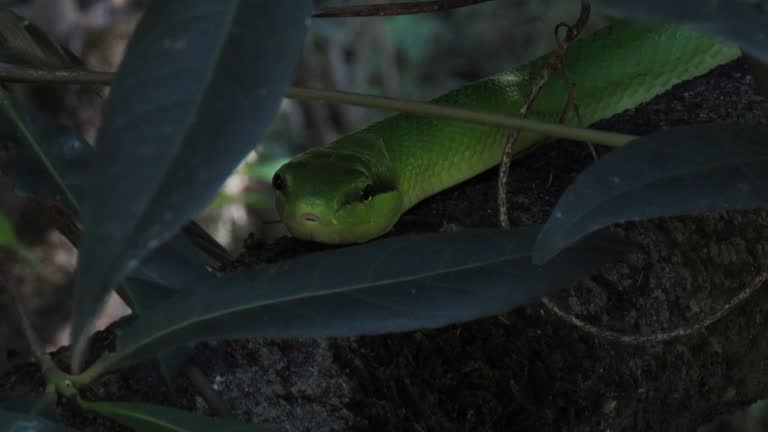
(357, 187)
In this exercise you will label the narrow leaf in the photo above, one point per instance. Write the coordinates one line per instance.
(68, 156)
(741, 22)
(680, 171)
(7, 234)
(200, 82)
(23, 43)
(13, 422)
(33, 141)
(153, 418)
(42, 406)
(170, 267)
(396, 284)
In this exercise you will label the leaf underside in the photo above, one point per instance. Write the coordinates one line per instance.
(396, 284)
(200, 82)
(681, 171)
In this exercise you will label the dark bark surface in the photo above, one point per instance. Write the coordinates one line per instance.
(528, 369)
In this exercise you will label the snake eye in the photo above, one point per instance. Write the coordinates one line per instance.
(367, 193)
(278, 183)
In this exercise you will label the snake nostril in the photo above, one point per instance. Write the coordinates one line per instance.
(310, 217)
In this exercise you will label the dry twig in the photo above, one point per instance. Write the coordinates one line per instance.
(554, 64)
(392, 9)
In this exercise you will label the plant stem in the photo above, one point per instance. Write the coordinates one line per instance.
(20, 74)
(200, 382)
(94, 371)
(392, 104)
(54, 376)
(428, 109)
(393, 9)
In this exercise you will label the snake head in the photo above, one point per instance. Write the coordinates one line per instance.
(330, 195)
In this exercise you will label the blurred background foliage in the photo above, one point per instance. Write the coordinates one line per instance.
(415, 56)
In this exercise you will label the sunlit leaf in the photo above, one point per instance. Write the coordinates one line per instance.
(7, 234)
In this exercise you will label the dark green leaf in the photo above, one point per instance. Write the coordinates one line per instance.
(170, 267)
(680, 171)
(173, 265)
(17, 422)
(199, 83)
(741, 22)
(43, 406)
(23, 43)
(395, 284)
(7, 234)
(153, 418)
(42, 154)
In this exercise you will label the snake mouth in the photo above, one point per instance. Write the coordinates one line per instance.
(309, 217)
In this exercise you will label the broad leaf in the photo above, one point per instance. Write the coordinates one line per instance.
(17, 422)
(200, 82)
(396, 284)
(23, 43)
(680, 171)
(154, 418)
(741, 22)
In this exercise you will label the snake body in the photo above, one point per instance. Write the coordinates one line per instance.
(357, 187)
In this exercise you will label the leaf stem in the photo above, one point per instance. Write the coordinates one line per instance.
(94, 371)
(54, 376)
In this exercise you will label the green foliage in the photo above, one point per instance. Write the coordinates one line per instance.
(368, 289)
(27, 133)
(152, 418)
(165, 150)
(7, 235)
(8, 240)
(43, 406)
(15, 421)
(687, 170)
(23, 43)
(200, 83)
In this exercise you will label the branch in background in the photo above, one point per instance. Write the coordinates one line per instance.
(21, 74)
(392, 9)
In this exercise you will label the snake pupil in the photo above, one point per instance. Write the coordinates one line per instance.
(277, 182)
(367, 193)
